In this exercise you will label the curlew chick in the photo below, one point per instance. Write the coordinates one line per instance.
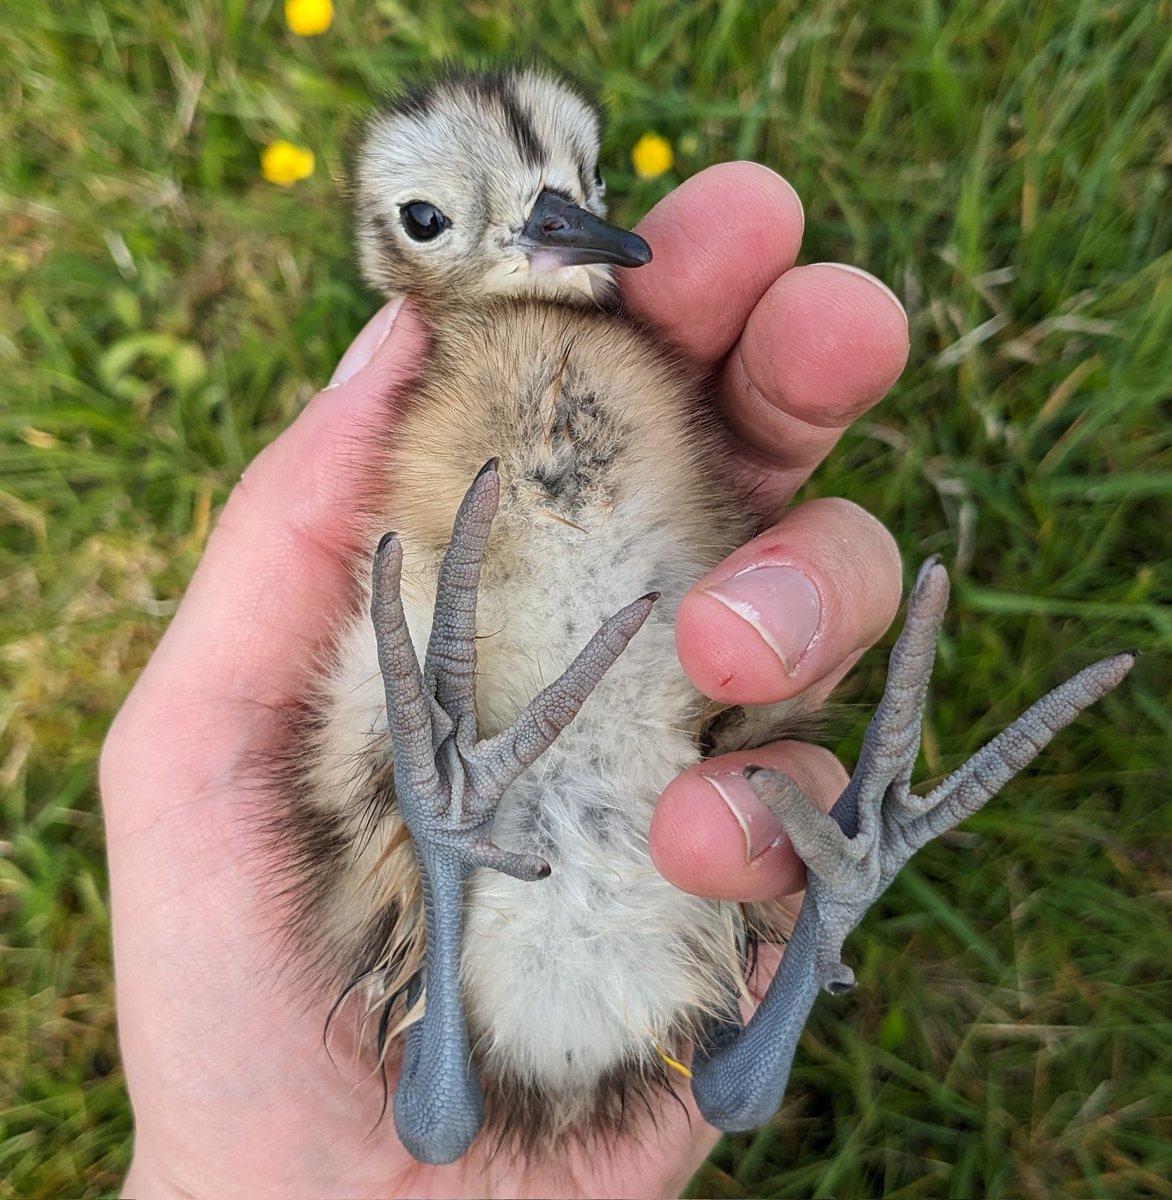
(469, 802)
(488, 185)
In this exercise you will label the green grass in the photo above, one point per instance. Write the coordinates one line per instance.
(164, 312)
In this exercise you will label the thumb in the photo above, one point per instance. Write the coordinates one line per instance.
(276, 575)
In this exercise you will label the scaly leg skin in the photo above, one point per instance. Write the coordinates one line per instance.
(447, 787)
(856, 850)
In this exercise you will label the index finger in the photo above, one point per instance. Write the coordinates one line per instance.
(803, 351)
(720, 241)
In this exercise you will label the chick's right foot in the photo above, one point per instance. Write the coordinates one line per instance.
(448, 785)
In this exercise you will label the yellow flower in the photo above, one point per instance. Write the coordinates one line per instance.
(652, 156)
(306, 18)
(283, 163)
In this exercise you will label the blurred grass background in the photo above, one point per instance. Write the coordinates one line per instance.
(164, 312)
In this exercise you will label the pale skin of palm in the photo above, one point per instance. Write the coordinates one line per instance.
(234, 1093)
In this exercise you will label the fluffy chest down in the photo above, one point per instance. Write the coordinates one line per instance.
(601, 961)
(610, 489)
(607, 493)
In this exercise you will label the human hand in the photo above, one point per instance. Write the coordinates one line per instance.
(804, 351)
(233, 1090)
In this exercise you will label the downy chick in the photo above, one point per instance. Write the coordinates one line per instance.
(447, 857)
(479, 198)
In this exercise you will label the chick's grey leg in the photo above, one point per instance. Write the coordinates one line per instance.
(447, 787)
(856, 850)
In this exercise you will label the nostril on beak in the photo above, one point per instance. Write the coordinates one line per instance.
(574, 236)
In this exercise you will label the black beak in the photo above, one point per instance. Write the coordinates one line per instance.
(576, 237)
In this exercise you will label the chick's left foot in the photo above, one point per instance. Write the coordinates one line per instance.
(448, 785)
(854, 852)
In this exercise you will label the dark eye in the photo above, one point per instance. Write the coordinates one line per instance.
(423, 221)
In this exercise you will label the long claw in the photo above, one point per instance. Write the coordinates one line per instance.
(888, 754)
(450, 663)
(817, 838)
(739, 1085)
(554, 707)
(997, 762)
(526, 867)
(408, 712)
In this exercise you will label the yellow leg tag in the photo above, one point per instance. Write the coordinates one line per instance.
(671, 1062)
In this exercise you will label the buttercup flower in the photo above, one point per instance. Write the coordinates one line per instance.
(652, 156)
(307, 18)
(284, 164)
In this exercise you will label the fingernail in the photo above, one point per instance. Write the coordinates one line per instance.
(781, 604)
(363, 347)
(870, 279)
(761, 828)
